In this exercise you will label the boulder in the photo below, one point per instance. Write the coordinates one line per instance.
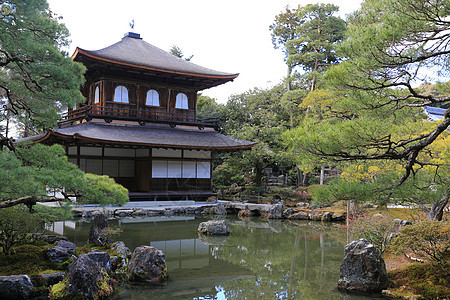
(120, 248)
(315, 216)
(276, 199)
(102, 258)
(220, 209)
(214, 228)
(363, 269)
(85, 279)
(147, 264)
(15, 287)
(87, 214)
(97, 232)
(326, 217)
(54, 278)
(288, 211)
(49, 238)
(62, 251)
(168, 212)
(338, 216)
(189, 210)
(124, 253)
(123, 212)
(401, 223)
(275, 211)
(301, 215)
(303, 205)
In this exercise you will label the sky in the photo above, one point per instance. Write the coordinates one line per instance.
(231, 36)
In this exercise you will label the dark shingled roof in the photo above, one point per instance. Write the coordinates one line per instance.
(137, 52)
(152, 135)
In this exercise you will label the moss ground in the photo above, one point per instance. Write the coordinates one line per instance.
(425, 280)
(29, 259)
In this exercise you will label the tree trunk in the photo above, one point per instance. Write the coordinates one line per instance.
(322, 174)
(437, 209)
(258, 176)
(316, 68)
(299, 176)
(289, 83)
(354, 209)
(305, 181)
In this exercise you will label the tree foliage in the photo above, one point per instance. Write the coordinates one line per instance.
(309, 36)
(37, 79)
(376, 229)
(17, 226)
(426, 239)
(39, 173)
(258, 116)
(175, 50)
(370, 113)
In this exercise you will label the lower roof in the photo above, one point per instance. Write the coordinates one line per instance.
(149, 135)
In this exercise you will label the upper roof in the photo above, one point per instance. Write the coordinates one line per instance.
(434, 113)
(150, 135)
(132, 51)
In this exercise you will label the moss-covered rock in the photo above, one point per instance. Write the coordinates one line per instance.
(85, 280)
(148, 264)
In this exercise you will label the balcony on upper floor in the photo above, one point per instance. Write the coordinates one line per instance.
(173, 117)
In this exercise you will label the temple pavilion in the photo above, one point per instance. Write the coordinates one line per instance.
(139, 123)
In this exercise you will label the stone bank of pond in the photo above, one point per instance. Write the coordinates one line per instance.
(261, 259)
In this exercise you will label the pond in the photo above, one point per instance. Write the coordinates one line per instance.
(261, 259)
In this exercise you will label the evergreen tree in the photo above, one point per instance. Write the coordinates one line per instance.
(371, 114)
(38, 81)
(309, 36)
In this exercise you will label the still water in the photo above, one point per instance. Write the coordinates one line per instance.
(261, 259)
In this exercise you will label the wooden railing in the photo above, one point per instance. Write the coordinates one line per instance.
(173, 118)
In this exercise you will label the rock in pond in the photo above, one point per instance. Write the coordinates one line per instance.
(62, 251)
(220, 210)
(276, 211)
(85, 280)
(120, 248)
(301, 215)
(214, 228)
(363, 269)
(97, 233)
(147, 264)
(15, 287)
(326, 217)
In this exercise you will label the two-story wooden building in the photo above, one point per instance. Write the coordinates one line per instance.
(139, 123)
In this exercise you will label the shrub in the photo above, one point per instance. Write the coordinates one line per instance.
(429, 239)
(17, 226)
(376, 229)
(103, 190)
(284, 192)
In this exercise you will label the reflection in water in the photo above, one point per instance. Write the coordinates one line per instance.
(275, 259)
